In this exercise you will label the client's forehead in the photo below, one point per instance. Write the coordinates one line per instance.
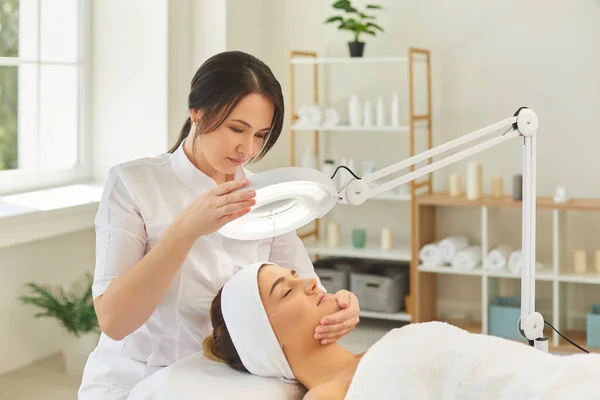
(267, 274)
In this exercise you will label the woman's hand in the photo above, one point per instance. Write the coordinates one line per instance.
(337, 325)
(215, 208)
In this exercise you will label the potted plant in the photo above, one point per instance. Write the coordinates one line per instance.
(74, 310)
(357, 22)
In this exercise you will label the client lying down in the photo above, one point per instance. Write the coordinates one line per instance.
(264, 320)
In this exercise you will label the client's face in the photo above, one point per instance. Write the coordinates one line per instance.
(294, 306)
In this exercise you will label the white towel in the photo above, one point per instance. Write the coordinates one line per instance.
(431, 255)
(467, 259)
(249, 326)
(434, 360)
(515, 263)
(451, 246)
(497, 259)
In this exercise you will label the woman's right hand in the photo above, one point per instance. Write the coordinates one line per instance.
(217, 207)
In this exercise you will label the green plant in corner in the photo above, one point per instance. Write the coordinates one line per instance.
(357, 22)
(73, 309)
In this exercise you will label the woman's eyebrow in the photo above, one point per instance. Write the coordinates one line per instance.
(241, 121)
(279, 280)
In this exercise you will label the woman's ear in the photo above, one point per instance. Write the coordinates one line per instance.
(195, 115)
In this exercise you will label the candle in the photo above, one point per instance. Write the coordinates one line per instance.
(598, 261)
(474, 181)
(455, 185)
(580, 262)
(497, 187)
(334, 234)
(387, 240)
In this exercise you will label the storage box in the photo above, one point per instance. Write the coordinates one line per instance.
(593, 327)
(504, 314)
(380, 289)
(332, 279)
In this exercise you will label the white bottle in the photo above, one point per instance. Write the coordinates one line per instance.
(380, 113)
(309, 160)
(328, 167)
(395, 111)
(354, 111)
(368, 115)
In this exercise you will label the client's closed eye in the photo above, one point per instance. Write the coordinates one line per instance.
(287, 292)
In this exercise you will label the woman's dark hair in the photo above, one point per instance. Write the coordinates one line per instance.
(218, 346)
(221, 83)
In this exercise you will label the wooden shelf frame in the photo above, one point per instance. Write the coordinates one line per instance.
(419, 121)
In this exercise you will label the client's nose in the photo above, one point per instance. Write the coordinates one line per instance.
(310, 286)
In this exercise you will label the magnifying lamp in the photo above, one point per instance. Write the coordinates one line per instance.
(289, 198)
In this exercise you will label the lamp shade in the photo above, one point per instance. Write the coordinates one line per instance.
(286, 199)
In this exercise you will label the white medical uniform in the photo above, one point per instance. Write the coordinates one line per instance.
(140, 199)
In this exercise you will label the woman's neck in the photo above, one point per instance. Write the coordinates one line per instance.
(202, 165)
(321, 364)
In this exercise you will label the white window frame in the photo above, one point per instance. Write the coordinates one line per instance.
(18, 181)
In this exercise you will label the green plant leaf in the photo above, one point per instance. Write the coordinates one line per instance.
(341, 4)
(370, 32)
(334, 19)
(373, 25)
(73, 310)
(374, 7)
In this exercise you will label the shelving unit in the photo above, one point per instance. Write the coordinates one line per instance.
(312, 238)
(557, 271)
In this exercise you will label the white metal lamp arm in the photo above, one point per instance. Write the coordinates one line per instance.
(524, 124)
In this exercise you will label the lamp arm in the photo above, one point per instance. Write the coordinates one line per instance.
(525, 124)
(382, 173)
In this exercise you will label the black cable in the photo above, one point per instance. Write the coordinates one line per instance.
(347, 169)
(568, 340)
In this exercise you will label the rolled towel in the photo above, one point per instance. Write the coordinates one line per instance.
(497, 259)
(467, 259)
(515, 263)
(451, 246)
(431, 255)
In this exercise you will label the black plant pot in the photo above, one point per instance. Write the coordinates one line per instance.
(356, 49)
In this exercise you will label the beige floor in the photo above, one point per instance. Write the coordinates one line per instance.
(46, 379)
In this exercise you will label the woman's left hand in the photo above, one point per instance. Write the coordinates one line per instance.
(334, 326)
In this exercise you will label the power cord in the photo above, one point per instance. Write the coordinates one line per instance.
(347, 169)
(568, 340)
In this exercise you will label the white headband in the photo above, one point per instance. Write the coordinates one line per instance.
(249, 327)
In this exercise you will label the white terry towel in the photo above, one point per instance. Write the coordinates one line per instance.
(497, 259)
(451, 246)
(435, 360)
(431, 255)
(515, 263)
(467, 259)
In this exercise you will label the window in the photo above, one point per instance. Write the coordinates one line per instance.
(41, 93)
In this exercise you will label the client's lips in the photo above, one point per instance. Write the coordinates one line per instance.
(237, 161)
(322, 298)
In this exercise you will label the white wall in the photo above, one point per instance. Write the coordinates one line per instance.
(58, 261)
(489, 59)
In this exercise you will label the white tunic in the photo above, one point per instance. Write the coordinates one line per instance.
(140, 199)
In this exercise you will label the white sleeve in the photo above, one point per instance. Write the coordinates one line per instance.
(288, 251)
(120, 233)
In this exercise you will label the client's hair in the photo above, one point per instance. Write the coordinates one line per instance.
(218, 346)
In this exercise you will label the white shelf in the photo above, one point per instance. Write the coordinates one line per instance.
(545, 274)
(396, 254)
(347, 128)
(450, 270)
(401, 316)
(386, 197)
(348, 60)
(588, 277)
